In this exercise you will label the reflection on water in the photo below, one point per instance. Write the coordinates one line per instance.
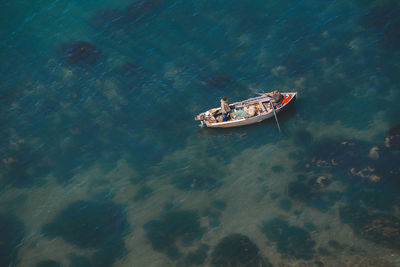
(102, 164)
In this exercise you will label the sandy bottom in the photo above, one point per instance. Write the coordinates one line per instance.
(251, 192)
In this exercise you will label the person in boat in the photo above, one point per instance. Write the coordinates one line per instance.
(225, 109)
(277, 97)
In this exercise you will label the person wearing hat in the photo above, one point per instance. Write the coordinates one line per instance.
(225, 109)
(277, 97)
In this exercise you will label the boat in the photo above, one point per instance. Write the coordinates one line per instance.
(246, 112)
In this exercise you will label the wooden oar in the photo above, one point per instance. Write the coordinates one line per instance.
(273, 109)
(276, 118)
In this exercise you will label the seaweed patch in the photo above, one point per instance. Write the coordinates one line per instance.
(174, 226)
(11, 236)
(384, 20)
(277, 168)
(96, 225)
(285, 204)
(197, 257)
(217, 81)
(291, 241)
(393, 137)
(237, 250)
(139, 9)
(81, 53)
(23, 166)
(107, 17)
(143, 193)
(378, 227)
(219, 204)
(48, 263)
(79, 261)
(321, 200)
(339, 155)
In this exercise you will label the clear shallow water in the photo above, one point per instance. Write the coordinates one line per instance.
(103, 164)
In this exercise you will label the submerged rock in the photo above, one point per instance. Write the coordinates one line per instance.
(383, 229)
(11, 236)
(384, 19)
(392, 33)
(23, 167)
(277, 168)
(320, 181)
(298, 190)
(312, 196)
(335, 245)
(219, 204)
(92, 225)
(48, 263)
(89, 224)
(380, 16)
(349, 161)
(81, 53)
(174, 225)
(344, 154)
(291, 241)
(293, 63)
(131, 70)
(393, 138)
(378, 227)
(285, 204)
(106, 17)
(197, 257)
(139, 9)
(310, 226)
(216, 80)
(303, 138)
(237, 250)
(367, 174)
(374, 152)
(143, 193)
(79, 261)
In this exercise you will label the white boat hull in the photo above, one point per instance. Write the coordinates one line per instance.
(249, 120)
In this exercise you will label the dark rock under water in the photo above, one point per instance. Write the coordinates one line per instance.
(173, 226)
(237, 250)
(292, 241)
(96, 225)
(81, 53)
(11, 235)
(48, 263)
(380, 228)
(393, 137)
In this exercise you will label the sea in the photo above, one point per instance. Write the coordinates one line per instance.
(103, 164)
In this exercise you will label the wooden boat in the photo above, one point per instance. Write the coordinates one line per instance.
(260, 109)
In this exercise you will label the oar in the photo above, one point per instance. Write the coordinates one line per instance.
(262, 94)
(276, 118)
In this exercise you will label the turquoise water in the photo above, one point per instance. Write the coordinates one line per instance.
(102, 163)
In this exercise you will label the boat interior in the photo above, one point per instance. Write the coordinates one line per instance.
(242, 110)
(248, 108)
(245, 109)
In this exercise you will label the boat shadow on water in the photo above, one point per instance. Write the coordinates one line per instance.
(251, 136)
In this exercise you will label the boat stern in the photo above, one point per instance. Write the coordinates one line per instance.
(200, 117)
